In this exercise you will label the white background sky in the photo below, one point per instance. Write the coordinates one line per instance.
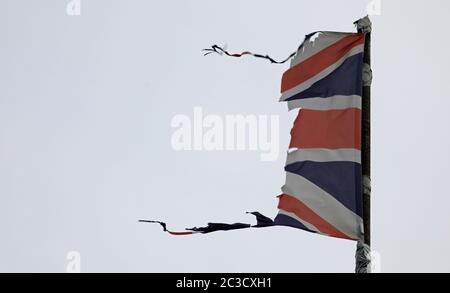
(85, 110)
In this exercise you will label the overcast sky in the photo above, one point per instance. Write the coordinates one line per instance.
(86, 104)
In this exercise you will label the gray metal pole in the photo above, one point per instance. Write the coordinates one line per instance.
(363, 248)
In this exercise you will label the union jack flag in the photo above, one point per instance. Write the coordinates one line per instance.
(323, 190)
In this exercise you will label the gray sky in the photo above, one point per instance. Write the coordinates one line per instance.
(85, 109)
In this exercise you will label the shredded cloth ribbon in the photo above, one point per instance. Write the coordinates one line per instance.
(219, 50)
(261, 221)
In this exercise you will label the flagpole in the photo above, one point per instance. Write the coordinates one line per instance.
(363, 264)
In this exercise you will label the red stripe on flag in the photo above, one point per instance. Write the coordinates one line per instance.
(179, 233)
(294, 205)
(320, 61)
(332, 129)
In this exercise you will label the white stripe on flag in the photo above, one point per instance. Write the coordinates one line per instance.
(329, 103)
(324, 40)
(324, 205)
(324, 155)
(324, 73)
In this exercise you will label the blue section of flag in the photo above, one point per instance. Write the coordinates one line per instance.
(283, 220)
(342, 180)
(345, 80)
